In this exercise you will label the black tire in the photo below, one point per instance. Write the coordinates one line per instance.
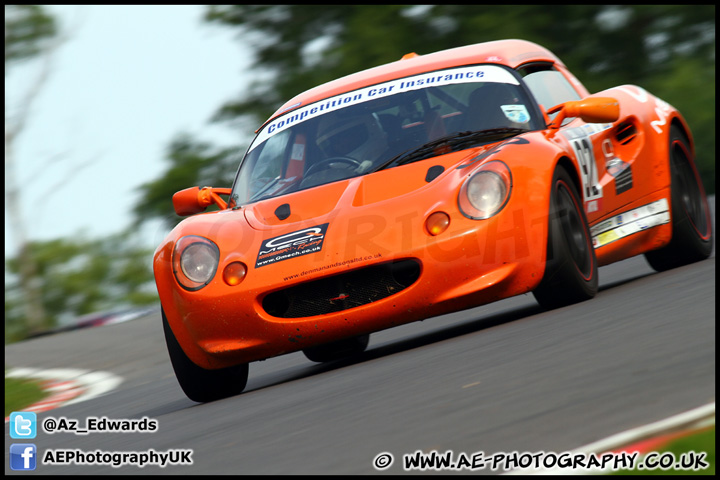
(199, 384)
(692, 235)
(337, 350)
(571, 271)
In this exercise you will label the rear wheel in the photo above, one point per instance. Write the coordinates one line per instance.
(691, 225)
(200, 384)
(338, 350)
(571, 272)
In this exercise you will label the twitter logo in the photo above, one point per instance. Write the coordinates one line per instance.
(23, 425)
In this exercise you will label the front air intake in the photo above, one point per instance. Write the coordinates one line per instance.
(343, 291)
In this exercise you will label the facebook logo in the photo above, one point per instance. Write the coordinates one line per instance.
(23, 425)
(23, 456)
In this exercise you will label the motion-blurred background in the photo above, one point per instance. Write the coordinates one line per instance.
(109, 110)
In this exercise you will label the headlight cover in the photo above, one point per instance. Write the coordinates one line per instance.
(486, 192)
(195, 261)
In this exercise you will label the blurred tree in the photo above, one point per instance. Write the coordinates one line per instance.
(301, 46)
(297, 47)
(77, 277)
(50, 280)
(191, 163)
(29, 32)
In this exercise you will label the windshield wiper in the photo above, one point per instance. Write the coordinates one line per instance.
(260, 194)
(455, 141)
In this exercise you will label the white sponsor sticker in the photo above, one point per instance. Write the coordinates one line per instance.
(516, 113)
(628, 223)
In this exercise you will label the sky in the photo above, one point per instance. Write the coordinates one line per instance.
(127, 81)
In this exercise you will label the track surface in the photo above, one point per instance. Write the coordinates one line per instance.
(501, 378)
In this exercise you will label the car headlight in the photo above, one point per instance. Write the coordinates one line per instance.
(486, 192)
(195, 261)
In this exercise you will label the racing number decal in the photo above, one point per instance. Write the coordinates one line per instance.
(588, 168)
(580, 139)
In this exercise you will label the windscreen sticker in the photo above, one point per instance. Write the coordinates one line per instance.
(291, 245)
(476, 73)
(516, 113)
(628, 223)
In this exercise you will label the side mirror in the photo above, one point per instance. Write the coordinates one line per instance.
(590, 110)
(195, 199)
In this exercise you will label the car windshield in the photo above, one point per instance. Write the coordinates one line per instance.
(384, 126)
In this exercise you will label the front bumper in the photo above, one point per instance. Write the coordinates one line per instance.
(470, 264)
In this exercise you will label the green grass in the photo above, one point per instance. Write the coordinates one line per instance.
(701, 442)
(21, 393)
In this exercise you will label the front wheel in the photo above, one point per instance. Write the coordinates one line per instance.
(691, 225)
(199, 384)
(571, 271)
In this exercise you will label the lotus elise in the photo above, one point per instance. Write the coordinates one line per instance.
(429, 185)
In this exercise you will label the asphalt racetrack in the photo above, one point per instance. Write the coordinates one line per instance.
(506, 377)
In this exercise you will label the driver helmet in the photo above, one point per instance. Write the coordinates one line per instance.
(360, 137)
(496, 105)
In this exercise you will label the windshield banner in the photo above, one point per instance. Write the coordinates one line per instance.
(476, 73)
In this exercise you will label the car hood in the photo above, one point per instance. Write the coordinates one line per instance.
(356, 192)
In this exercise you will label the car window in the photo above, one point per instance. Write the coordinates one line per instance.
(354, 133)
(549, 86)
(266, 167)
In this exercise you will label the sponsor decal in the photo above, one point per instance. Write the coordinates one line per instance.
(516, 113)
(580, 139)
(344, 263)
(622, 173)
(662, 108)
(291, 245)
(593, 206)
(479, 73)
(628, 223)
(617, 168)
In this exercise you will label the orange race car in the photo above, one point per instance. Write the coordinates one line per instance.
(432, 184)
